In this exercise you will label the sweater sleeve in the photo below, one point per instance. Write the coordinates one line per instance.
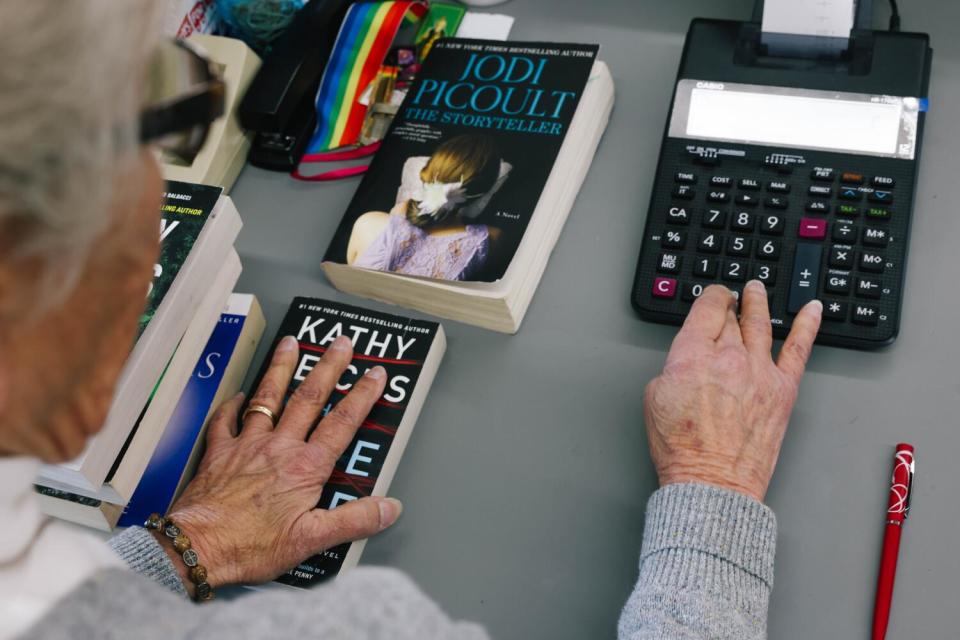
(706, 567)
(143, 554)
(373, 604)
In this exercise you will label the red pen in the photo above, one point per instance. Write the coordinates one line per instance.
(901, 488)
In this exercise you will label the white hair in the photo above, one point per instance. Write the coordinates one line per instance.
(71, 78)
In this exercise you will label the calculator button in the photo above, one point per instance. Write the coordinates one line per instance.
(692, 291)
(837, 284)
(878, 213)
(806, 273)
(777, 186)
(685, 177)
(868, 288)
(748, 184)
(718, 196)
(871, 262)
(710, 243)
(843, 232)
(738, 246)
(812, 228)
(735, 271)
(863, 314)
(747, 200)
(664, 288)
(721, 182)
(669, 263)
(850, 193)
(771, 225)
(674, 239)
(684, 192)
(883, 182)
(873, 237)
(776, 202)
(818, 191)
(836, 311)
(768, 249)
(882, 197)
(841, 258)
(705, 268)
(818, 206)
(822, 174)
(714, 219)
(848, 210)
(678, 215)
(765, 273)
(742, 221)
(848, 177)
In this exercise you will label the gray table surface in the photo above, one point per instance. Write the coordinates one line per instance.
(527, 474)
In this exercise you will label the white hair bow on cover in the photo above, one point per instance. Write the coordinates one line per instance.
(436, 198)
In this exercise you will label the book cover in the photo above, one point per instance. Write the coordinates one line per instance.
(183, 213)
(398, 344)
(451, 191)
(162, 477)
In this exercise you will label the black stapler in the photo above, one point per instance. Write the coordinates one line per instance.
(279, 106)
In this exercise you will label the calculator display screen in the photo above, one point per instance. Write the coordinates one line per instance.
(796, 118)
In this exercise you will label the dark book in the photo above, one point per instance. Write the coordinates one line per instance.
(83, 510)
(464, 201)
(410, 350)
(184, 211)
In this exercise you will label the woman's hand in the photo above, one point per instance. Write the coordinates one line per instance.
(718, 412)
(251, 509)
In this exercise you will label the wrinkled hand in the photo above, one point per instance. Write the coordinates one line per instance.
(719, 411)
(251, 509)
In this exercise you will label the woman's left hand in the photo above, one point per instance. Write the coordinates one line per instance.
(251, 511)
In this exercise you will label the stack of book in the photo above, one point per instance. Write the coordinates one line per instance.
(194, 345)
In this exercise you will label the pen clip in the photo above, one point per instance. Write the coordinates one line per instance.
(911, 468)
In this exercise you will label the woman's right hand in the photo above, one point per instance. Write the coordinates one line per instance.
(719, 411)
(251, 511)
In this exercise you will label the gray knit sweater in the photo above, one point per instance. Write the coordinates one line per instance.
(706, 569)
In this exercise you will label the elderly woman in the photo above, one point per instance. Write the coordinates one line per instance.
(78, 237)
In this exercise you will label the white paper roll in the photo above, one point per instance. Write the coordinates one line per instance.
(825, 18)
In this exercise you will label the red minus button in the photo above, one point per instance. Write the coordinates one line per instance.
(664, 288)
(813, 228)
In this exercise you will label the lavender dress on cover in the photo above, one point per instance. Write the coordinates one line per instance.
(403, 248)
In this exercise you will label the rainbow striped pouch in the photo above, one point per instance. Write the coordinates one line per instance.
(365, 38)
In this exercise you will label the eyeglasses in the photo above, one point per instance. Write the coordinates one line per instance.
(184, 96)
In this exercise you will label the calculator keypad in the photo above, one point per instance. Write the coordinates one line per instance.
(833, 228)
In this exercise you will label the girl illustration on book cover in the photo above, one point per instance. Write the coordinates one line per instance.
(429, 232)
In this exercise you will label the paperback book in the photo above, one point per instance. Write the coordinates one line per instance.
(197, 227)
(464, 201)
(216, 377)
(410, 350)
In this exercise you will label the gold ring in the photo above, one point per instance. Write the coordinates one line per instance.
(259, 408)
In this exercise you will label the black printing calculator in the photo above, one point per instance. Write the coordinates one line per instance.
(799, 173)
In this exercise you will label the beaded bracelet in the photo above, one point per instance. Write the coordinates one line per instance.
(181, 544)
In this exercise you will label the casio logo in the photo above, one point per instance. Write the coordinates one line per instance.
(709, 85)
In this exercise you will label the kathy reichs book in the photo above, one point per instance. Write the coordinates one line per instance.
(464, 202)
(410, 350)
